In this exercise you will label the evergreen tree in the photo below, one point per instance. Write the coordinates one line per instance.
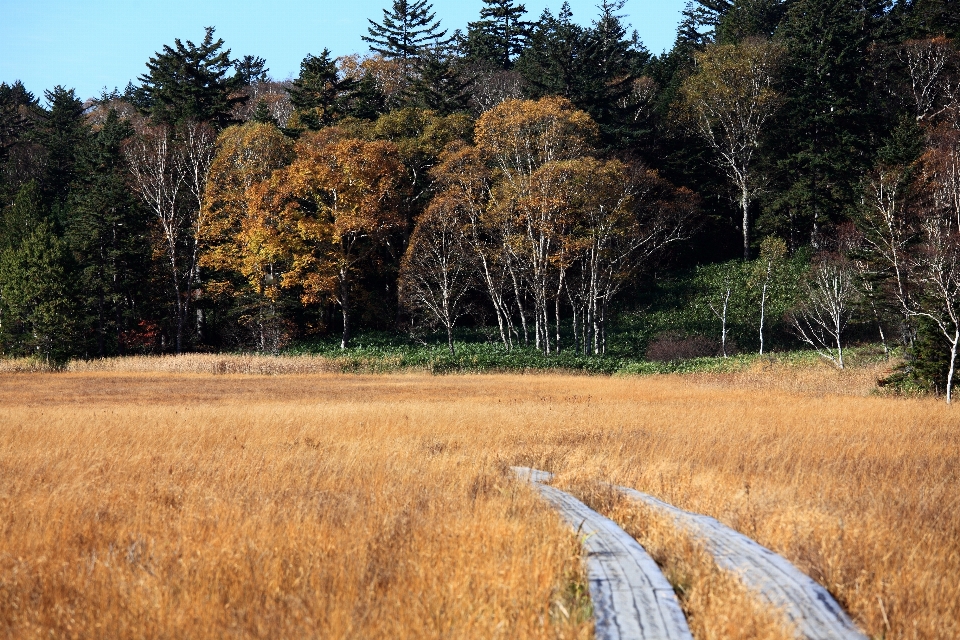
(918, 19)
(18, 110)
(750, 18)
(36, 310)
(701, 19)
(320, 94)
(829, 127)
(107, 234)
(407, 28)
(552, 63)
(262, 114)
(441, 85)
(61, 131)
(22, 216)
(367, 101)
(16, 103)
(595, 68)
(499, 36)
(191, 82)
(251, 70)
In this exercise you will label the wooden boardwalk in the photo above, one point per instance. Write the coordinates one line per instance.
(632, 599)
(807, 605)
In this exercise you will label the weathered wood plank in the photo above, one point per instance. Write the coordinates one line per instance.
(806, 604)
(632, 599)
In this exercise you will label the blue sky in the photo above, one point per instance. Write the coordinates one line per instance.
(105, 43)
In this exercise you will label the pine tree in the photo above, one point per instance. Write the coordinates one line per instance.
(107, 234)
(367, 101)
(500, 35)
(320, 94)
(191, 82)
(751, 18)
(407, 28)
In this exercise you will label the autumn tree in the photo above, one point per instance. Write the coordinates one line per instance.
(243, 247)
(437, 271)
(337, 202)
(519, 138)
(728, 101)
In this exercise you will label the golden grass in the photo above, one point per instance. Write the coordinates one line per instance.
(161, 504)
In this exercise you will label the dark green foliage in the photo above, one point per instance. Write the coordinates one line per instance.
(825, 135)
(320, 94)
(16, 106)
(191, 82)
(701, 19)
(595, 68)
(499, 36)
(251, 70)
(107, 237)
(22, 216)
(442, 85)
(407, 28)
(918, 19)
(263, 114)
(62, 132)
(751, 19)
(37, 312)
(367, 102)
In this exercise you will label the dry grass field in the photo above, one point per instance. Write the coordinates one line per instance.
(178, 504)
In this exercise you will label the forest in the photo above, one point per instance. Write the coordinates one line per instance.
(786, 175)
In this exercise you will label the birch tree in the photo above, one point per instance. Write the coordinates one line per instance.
(437, 270)
(829, 295)
(728, 101)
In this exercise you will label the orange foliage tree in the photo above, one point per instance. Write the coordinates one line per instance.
(335, 203)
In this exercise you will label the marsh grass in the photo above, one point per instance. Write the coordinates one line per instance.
(188, 504)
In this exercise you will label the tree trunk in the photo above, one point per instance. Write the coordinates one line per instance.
(763, 305)
(953, 360)
(345, 307)
(450, 339)
(745, 206)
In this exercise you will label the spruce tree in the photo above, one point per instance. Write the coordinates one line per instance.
(441, 85)
(35, 299)
(499, 36)
(407, 28)
(552, 64)
(829, 127)
(251, 70)
(320, 94)
(191, 82)
(62, 132)
(107, 235)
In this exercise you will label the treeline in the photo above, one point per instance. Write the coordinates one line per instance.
(531, 176)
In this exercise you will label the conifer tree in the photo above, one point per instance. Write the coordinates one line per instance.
(440, 85)
(251, 70)
(61, 131)
(107, 234)
(191, 82)
(407, 28)
(500, 35)
(829, 127)
(320, 94)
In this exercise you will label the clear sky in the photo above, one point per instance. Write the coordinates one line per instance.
(105, 43)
